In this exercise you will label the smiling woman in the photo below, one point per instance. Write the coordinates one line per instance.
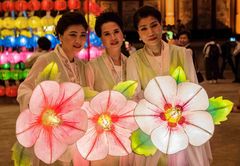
(71, 30)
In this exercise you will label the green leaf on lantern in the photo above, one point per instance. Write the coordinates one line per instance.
(21, 156)
(219, 109)
(50, 72)
(141, 143)
(127, 88)
(179, 75)
(89, 93)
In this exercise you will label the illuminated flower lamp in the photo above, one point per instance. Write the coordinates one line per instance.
(21, 22)
(25, 33)
(91, 19)
(11, 91)
(47, 5)
(47, 20)
(34, 22)
(9, 41)
(25, 73)
(60, 5)
(22, 41)
(52, 39)
(109, 114)
(94, 53)
(14, 57)
(21, 5)
(92, 7)
(7, 32)
(25, 54)
(9, 23)
(16, 74)
(33, 41)
(34, 5)
(8, 6)
(74, 4)
(2, 89)
(21, 65)
(53, 121)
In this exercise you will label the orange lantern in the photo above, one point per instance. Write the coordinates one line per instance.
(60, 5)
(47, 5)
(21, 5)
(2, 90)
(8, 6)
(34, 5)
(11, 91)
(73, 4)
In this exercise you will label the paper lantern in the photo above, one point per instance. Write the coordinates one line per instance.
(74, 4)
(39, 32)
(26, 33)
(7, 32)
(57, 19)
(33, 41)
(34, 22)
(9, 23)
(47, 21)
(6, 66)
(2, 90)
(8, 6)
(21, 22)
(6, 74)
(15, 75)
(60, 5)
(11, 91)
(22, 41)
(14, 58)
(9, 41)
(47, 5)
(91, 7)
(34, 5)
(21, 5)
(25, 73)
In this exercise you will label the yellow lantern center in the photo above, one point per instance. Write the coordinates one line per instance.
(173, 115)
(49, 118)
(105, 122)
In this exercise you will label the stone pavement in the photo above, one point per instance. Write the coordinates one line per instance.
(225, 142)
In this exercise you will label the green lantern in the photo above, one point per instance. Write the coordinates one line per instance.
(6, 66)
(17, 66)
(25, 73)
(15, 74)
(6, 74)
(22, 66)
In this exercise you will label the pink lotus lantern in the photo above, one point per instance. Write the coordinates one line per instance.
(4, 57)
(110, 123)
(93, 53)
(53, 121)
(14, 57)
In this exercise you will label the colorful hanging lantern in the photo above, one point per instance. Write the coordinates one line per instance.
(60, 5)
(6, 66)
(11, 91)
(91, 19)
(2, 89)
(0, 6)
(16, 75)
(1, 23)
(47, 21)
(39, 32)
(21, 5)
(34, 22)
(9, 41)
(8, 6)
(9, 23)
(6, 74)
(14, 58)
(74, 4)
(91, 7)
(22, 41)
(33, 41)
(7, 32)
(25, 73)
(57, 19)
(26, 33)
(34, 5)
(47, 5)
(21, 22)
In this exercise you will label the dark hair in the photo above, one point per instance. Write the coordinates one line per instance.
(107, 17)
(68, 19)
(144, 12)
(184, 32)
(44, 43)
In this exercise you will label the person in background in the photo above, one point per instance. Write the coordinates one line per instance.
(44, 46)
(236, 54)
(211, 52)
(227, 50)
(72, 32)
(157, 58)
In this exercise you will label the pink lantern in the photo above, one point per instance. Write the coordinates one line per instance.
(93, 53)
(14, 57)
(4, 57)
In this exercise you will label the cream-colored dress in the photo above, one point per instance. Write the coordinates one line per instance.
(102, 74)
(68, 72)
(143, 66)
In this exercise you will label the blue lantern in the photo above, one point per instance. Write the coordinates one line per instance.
(33, 41)
(23, 41)
(9, 41)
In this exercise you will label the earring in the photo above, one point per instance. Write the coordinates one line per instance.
(140, 39)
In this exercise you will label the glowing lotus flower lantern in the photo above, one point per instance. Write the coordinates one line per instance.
(173, 114)
(8, 6)
(74, 4)
(9, 23)
(14, 57)
(3, 58)
(60, 5)
(21, 22)
(21, 5)
(53, 121)
(109, 114)
(47, 5)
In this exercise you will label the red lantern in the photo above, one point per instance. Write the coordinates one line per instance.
(21, 5)
(92, 7)
(47, 5)
(8, 6)
(34, 5)
(0, 6)
(11, 91)
(73, 4)
(2, 91)
(60, 5)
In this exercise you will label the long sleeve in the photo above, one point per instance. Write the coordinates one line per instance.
(188, 64)
(89, 72)
(26, 87)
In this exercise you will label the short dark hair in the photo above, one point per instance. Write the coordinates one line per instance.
(184, 32)
(107, 17)
(68, 19)
(44, 43)
(144, 12)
